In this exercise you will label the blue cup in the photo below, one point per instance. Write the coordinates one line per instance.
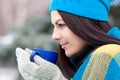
(50, 56)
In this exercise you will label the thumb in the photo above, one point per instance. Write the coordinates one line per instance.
(37, 58)
(28, 50)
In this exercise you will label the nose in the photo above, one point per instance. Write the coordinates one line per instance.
(56, 35)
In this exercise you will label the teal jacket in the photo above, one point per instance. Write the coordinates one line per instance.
(101, 64)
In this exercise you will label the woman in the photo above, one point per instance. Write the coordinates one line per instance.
(89, 46)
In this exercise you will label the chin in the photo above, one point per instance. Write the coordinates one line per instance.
(68, 54)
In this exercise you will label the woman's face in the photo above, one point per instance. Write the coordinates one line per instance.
(71, 43)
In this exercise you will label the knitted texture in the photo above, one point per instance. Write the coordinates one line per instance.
(102, 64)
(95, 9)
(40, 70)
(115, 32)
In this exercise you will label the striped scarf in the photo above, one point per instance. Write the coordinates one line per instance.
(102, 64)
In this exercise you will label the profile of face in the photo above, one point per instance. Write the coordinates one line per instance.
(71, 43)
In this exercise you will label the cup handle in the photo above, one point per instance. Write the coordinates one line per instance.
(32, 56)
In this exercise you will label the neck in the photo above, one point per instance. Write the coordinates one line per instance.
(78, 58)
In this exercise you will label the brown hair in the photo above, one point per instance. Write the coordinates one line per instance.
(92, 31)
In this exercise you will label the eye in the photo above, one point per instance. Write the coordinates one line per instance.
(61, 25)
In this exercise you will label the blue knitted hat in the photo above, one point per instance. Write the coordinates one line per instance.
(95, 9)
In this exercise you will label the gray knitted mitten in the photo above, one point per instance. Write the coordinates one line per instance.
(38, 70)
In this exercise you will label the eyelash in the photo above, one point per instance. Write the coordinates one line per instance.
(61, 25)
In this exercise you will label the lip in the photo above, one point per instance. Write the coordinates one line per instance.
(63, 44)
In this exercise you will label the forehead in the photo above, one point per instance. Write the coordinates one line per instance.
(55, 16)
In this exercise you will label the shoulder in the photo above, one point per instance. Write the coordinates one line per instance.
(101, 64)
(111, 49)
(109, 57)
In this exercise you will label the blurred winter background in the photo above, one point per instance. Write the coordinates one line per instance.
(26, 24)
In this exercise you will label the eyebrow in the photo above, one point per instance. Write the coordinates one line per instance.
(58, 21)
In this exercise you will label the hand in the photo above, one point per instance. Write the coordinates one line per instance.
(38, 70)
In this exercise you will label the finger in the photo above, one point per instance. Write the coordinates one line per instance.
(19, 51)
(21, 54)
(37, 58)
(28, 50)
